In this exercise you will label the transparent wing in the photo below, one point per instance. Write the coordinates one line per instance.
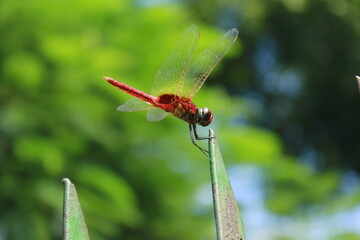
(171, 75)
(156, 114)
(134, 105)
(205, 63)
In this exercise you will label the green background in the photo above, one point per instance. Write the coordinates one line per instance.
(285, 101)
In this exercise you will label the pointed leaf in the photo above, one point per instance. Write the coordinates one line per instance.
(74, 227)
(229, 225)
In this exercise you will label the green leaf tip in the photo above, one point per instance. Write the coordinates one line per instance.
(74, 226)
(229, 225)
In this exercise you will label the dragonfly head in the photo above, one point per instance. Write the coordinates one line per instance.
(204, 116)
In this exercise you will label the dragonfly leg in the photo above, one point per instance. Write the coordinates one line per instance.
(192, 128)
(196, 134)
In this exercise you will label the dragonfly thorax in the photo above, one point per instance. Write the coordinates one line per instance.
(204, 116)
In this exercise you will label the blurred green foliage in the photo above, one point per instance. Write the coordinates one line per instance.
(135, 179)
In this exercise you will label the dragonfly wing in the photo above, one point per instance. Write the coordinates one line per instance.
(171, 75)
(205, 63)
(156, 114)
(134, 105)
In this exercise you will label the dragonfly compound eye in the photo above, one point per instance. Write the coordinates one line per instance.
(205, 117)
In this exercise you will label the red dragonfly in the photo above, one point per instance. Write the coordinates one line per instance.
(178, 80)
